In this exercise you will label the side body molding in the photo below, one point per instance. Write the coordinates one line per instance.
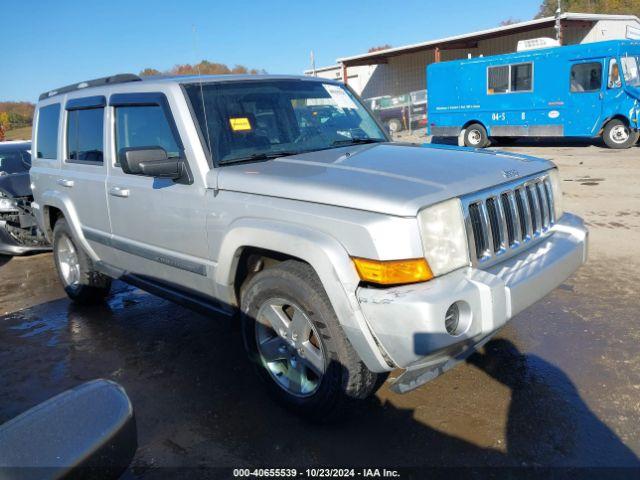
(327, 257)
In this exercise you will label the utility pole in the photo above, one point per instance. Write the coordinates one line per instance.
(558, 26)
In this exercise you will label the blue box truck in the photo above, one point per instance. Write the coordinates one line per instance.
(588, 90)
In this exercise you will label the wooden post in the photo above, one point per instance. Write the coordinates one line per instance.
(438, 54)
(344, 74)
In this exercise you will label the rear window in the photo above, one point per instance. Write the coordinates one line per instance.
(510, 78)
(47, 137)
(586, 77)
(498, 79)
(85, 135)
(521, 77)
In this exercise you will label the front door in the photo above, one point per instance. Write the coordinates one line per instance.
(158, 225)
(586, 93)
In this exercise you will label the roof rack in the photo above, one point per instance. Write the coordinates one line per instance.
(111, 80)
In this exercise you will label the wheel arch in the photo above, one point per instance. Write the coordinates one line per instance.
(278, 241)
(617, 116)
(55, 206)
(471, 122)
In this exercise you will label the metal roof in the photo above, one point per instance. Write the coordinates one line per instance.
(507, 29)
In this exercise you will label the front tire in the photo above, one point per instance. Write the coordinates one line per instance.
(475, 136)
(82, 282)
(619, 135)
(298, 348)
(394, 125)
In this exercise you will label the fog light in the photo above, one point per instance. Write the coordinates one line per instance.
(452, 319)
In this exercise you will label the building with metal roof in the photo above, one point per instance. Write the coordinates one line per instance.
(399, 70)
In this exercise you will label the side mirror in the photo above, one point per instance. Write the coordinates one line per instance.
(87, 432)
(150, 162)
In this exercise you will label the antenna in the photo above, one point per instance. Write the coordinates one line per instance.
(197, 64)
(313, 64)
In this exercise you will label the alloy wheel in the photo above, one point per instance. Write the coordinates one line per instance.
(289, 347)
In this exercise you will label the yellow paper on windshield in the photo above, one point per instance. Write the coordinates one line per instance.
(240, 124)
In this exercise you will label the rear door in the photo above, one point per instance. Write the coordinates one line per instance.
(83, 172)
(158, 225)
(586, 93)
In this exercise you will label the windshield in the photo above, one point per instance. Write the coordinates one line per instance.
(14, 161)
(631, 71)
(258, 119)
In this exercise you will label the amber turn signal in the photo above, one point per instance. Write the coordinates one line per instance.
(393, 272)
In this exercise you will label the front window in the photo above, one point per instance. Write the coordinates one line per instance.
(139, 126)
(615, 81)
(586, 77)
(260, 119)
(631, 70)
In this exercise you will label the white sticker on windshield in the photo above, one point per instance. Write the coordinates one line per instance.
(340, 96)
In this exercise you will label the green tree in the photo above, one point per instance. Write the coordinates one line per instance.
(620, 7)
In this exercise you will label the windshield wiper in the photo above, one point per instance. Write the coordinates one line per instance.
(256, 157)
(357, 141)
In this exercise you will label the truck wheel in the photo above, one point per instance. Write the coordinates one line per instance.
(297, 346)
(475, 136)
(394, 125)
(618, 135)
(82, 282)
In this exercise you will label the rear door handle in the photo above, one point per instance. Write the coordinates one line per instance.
(63, 182)
(119, 192)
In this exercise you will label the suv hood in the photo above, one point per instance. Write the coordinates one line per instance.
(390, 178)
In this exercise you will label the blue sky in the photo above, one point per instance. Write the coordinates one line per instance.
(47, 44)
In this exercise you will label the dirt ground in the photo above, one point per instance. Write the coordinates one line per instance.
(560, 386)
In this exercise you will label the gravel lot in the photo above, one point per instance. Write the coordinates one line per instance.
(559, 387)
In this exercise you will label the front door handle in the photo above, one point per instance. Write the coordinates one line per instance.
(119, 192)
(63, 182)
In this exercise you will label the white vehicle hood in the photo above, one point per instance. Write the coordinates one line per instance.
(394, 179)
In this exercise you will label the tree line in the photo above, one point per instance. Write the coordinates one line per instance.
(619, 7)
(15, 115)
(203, 68)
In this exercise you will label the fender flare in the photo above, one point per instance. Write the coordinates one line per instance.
(324, 254)
(55, 199)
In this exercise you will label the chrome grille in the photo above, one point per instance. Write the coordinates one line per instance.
(504, 220)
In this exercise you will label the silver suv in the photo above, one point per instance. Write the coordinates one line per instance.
(282, 198)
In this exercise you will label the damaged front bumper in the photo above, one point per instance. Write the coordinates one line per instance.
(409, 321)
(19, 233)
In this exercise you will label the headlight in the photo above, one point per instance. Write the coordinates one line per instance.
(556, 189)
(444, 238)
(6, 203)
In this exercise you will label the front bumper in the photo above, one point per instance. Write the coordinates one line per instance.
(408, 321)
(9, 246)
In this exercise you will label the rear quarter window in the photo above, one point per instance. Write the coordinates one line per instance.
(47, 131)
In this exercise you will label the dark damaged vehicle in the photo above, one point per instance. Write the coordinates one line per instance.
(19, 232)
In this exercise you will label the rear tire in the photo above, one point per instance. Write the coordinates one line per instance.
(82, 282)
(475, 136)
(619, 135)
(333, 376)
